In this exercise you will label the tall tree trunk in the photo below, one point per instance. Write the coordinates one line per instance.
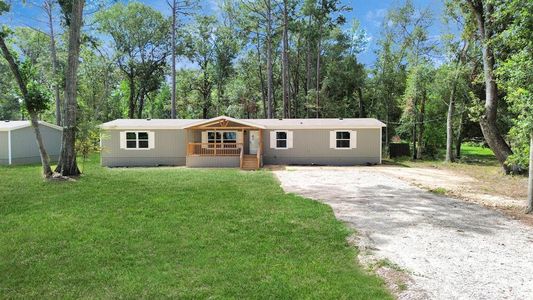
(45, 161)
(420, 150)
(205, 108)
(323, 5)
(361, 104)
(307, 86)
(48, 7)
(141, 104)
(387, 123)
(296, 82)
(173, 45)
(132, 99)
(285, 60)
(530, 185)
(459, 137)
(67, 165)
(270, 74)
(318, 49)
(220, 97)
(415, 120)
(449, 120)
(206, 92)
(451, 108)
(494, 139)
(261, 79)
(415, 155)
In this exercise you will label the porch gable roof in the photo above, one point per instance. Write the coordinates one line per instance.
(206, 124)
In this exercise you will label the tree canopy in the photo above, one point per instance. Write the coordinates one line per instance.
(293, 58)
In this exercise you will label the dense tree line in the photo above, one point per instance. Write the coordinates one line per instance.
(286, 59)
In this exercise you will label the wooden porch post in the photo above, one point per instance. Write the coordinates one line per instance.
(215, 142)
(260, 150)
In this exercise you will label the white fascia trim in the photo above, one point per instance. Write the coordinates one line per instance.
(137, 128)
(224, 118)
(116, 127)
(29, 125)
(9, 154)
(267, 128)
(16, 127)
(50, 125)
(315, 128)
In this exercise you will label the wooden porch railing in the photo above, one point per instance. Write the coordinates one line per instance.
(214, 149)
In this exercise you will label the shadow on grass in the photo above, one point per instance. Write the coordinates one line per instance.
(399, 162)
(478, 160)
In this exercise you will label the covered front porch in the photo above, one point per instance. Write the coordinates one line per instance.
(224, 142)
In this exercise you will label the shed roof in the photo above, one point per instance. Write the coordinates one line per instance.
(260, 123)
(14, 125)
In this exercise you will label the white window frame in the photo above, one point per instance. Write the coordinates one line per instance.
(352, 139)
(349, 139)
(148, 133)
(222, 135)
(286, 139)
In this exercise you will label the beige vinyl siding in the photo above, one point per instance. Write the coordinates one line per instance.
(312, 146)
(213, 161)
(4, 152)
(24, 149)
(170, 149)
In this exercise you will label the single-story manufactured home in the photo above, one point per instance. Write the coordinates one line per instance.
(245, 143)
(18, 144)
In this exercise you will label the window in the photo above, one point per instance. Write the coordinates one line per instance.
(131, 140)
(342, 139)
(281, 139)
(229, 137)
(137, 140)
(214, 137)
(222, 138)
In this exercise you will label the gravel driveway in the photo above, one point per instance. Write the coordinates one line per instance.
(451, 249)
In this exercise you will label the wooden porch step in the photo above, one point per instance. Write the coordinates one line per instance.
(249, 162)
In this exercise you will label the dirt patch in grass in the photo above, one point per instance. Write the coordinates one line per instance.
(483, 183)
(398, 280)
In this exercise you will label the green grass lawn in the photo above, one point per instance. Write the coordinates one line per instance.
(469, 150)
(171, 232)
(470, 154)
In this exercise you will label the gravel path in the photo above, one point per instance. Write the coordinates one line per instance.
(451, 249)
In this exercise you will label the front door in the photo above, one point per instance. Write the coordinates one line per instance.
(254, 141)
